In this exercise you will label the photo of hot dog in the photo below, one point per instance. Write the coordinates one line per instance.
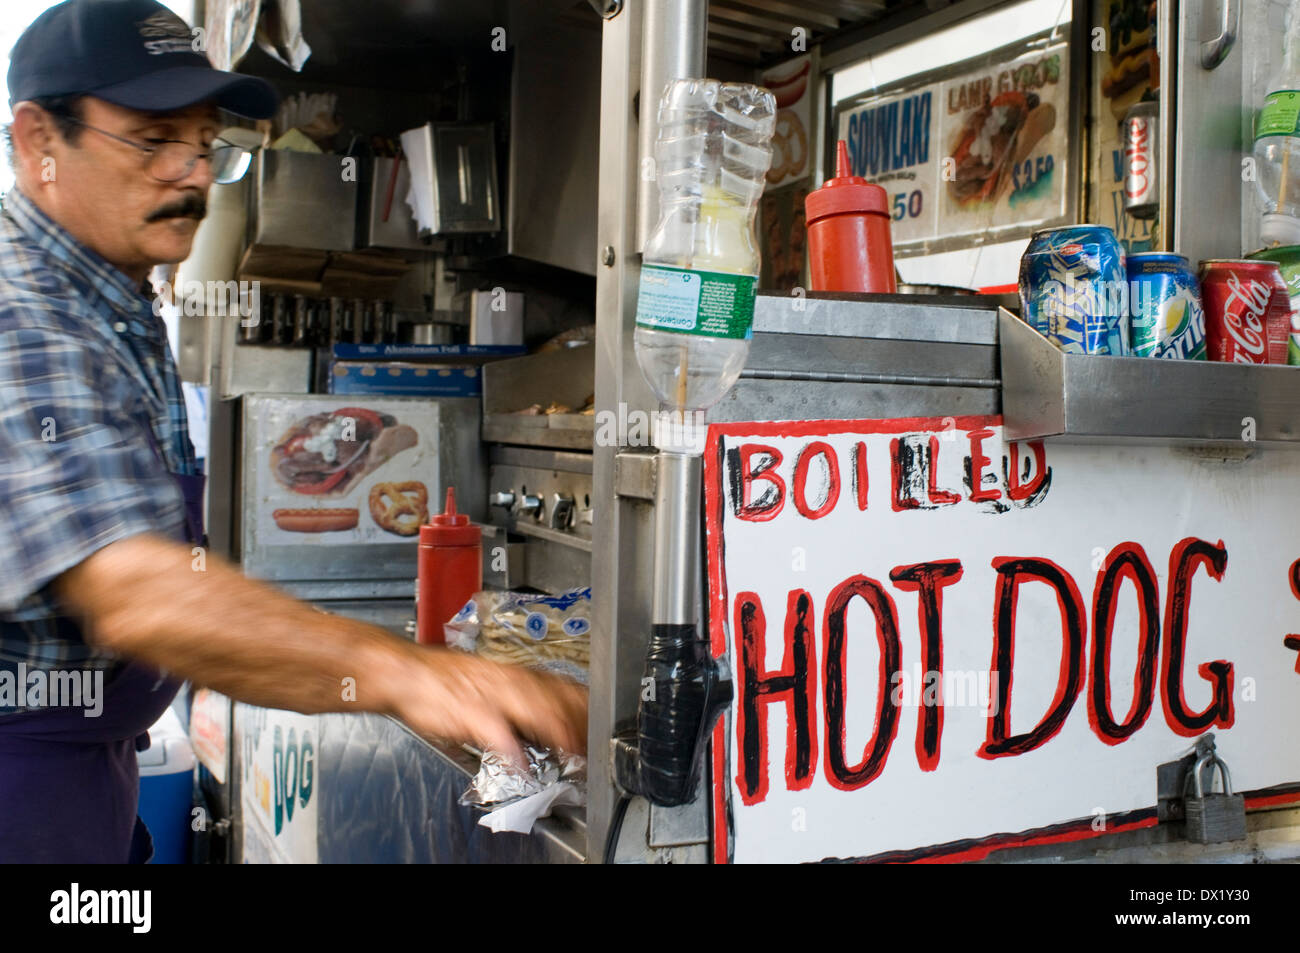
(328, 454)
(789, 85)
(316, 520)
(992, 139)
(788, 88)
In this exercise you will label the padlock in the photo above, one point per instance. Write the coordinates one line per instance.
(1212, 818)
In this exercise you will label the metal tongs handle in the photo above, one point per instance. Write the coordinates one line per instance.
(1215, 51)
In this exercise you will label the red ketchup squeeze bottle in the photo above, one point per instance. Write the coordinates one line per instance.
(448, 572)
(849, 246)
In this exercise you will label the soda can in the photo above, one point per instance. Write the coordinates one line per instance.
(1164, 303)
(1074, 289)
(1142, 160)
(1287, 258)
(1247, 311)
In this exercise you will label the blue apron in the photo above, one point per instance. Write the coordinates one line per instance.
(70, 785)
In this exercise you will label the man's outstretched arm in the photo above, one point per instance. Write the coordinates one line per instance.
(143, 597)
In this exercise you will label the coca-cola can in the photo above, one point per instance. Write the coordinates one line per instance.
(1141, 133)
(1247, 311)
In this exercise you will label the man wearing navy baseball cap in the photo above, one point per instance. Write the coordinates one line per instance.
(106, 596)
(105, 90)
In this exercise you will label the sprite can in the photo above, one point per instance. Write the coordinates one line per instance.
(1164, 301)
(1287, 258)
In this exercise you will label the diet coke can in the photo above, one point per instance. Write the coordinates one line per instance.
(1141, 160)
(1247, 311)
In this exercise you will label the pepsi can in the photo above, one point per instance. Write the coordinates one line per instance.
(1164, 301)
(1074, 289)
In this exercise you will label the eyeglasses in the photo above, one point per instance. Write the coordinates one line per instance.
(171, 160)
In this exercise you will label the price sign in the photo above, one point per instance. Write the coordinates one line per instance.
(979, 147)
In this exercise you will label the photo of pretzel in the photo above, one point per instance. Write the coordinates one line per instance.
(399, 508)
(789, 147)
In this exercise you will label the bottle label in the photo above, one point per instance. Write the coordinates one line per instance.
(710, 303)
(1280, 115)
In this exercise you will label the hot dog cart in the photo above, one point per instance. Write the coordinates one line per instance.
(875, 446)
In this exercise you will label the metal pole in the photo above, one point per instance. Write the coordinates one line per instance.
(621, 563)
(677, 540)
(672, 47)
(1168, 124)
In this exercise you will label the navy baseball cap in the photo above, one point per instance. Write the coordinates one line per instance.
(134, 53)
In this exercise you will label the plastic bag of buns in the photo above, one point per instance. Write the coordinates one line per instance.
(552, 633)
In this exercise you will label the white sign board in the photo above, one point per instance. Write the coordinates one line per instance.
(943, 644)
(982, 146)
(791, 86)
(340, 470)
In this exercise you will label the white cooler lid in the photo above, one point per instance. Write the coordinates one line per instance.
(169, 751)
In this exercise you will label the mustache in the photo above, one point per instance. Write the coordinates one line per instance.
(191, 205)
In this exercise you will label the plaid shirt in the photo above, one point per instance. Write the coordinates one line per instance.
(89, 397)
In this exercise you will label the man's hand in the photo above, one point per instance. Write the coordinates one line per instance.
(143, 597)
(459, 696)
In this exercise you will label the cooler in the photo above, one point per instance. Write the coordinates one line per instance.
(166, 789)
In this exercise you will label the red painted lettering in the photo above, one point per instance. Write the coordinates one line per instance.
(937, 496)
(1036, 487)
(800, 482)
(1183, 561)
(793, 684)
(860, 473)
(975, 468)
(1126, 561)
(838, 771)
(743, 475)
(928, 580)
(1011, 572)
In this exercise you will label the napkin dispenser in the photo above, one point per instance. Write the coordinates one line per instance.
(453, 189)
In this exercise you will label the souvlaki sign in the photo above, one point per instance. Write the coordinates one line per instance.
(943, 643)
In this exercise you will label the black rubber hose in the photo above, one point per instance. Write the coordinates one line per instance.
(682, 697)
(616, 828)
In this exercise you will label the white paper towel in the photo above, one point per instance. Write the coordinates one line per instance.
(520, 816)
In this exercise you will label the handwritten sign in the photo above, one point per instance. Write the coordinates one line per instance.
(893, 141)
(943, 643)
